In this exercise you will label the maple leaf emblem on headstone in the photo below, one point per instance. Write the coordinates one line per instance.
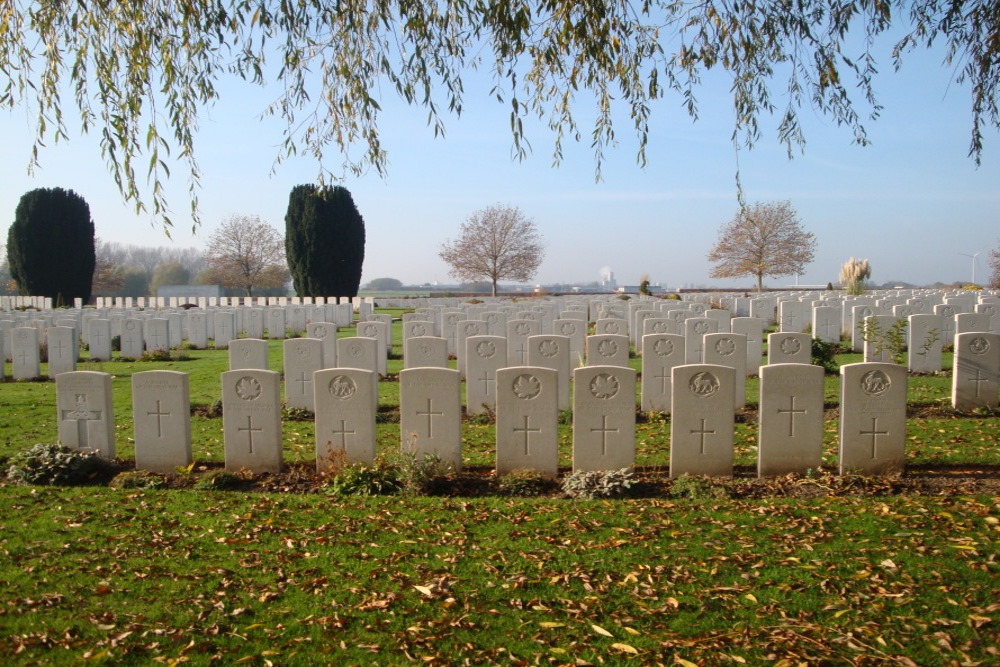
(247, 388)
(604, 386)
(548, 348)
(526, 386)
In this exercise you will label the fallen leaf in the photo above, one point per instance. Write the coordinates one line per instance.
(425, 590)
(601, 631)
(625, 648)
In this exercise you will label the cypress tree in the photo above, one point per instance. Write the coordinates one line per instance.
(50, 246)
(324, 241)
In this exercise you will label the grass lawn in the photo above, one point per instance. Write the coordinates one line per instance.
(171, 576)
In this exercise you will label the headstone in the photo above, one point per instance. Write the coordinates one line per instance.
(345, 417)
(225, 329)
(872, 418)
(62, 350)
(485, 356)
(607, 350)
(377, 331)
(858, 315)
(603, 418)
(662, 353)
(248, 354)
(789, 348)
(976, 372)
(85, 411)
(25, 364)
(518, 331)
(425, 352)
(464, 330)
(527, 435)
(695, 329)
(327, 333)
(548, 351)
(576, 330)
(430, 416)
(302, 358)
(132, 342)
(198, 329)
(790, 435)
(826, 324)
(878, 331)
(253, 322)
(161, 412)
(701, 421)
(611, 326)
(753, 329)
(972, 322)
(924, 343)
(156, 332)
(728, 349)
(251, 420)
(276, 323)
(723, 319)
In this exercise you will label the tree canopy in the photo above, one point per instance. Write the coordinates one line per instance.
(496, 243)
(764, 239)
(245, 253)
(141, 75)
(50, 246)
(324, 241)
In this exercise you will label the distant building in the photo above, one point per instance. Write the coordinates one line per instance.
(189, 291)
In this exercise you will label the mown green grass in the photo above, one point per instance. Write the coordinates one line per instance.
(128, 578)
(137, 577)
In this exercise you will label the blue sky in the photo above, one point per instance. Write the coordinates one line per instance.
(912, 202)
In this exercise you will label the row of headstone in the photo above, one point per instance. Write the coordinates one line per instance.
(871, 440)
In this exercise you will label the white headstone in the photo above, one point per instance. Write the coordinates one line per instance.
(25, 364)
(156, 332)
(603, 418)
(518, 331)
(662, 353)
(607, 350)
(85, 411)
(345, 417)
(485, 355)
(924, 343)
(729, 349)
(872, 418)
(695, 329)
(161, 412)
(326, 332)
(425, 352)
(302, 358)
(430, 417)
(977, 371)
(548, 351)
(789, 348)
(62, 350)
(790, 436)
(527, 435)
(701, 421)
(753, 329)
(251, 420)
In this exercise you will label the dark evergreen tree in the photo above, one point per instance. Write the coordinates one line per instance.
(50, 246)
(324, 241)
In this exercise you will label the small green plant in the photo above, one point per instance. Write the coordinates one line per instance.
(697, 488)
(594, 484)
(158, 354)
(218, 480)
(296, 414)
(824, 354)
(565, 416)
(379, 478)
(425, 475)
(527, 483)
(137, 479)
(886, 339)
(55, 464)
(484, 418)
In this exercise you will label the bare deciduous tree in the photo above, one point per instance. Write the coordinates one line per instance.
(995, 266)
(765, 239)
(497, 243)
(245, 253)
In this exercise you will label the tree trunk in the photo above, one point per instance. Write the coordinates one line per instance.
(494, 287)
(760, 283)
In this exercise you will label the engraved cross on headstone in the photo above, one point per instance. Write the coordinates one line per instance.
(430, 414)
(791, 412)
(250, 430)
(527, 431)
(978, 380)
(487, 381)
(702, 432)
(159, 418)
(664, 378)
(874, 433)
(343, 433)
(604, 430)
